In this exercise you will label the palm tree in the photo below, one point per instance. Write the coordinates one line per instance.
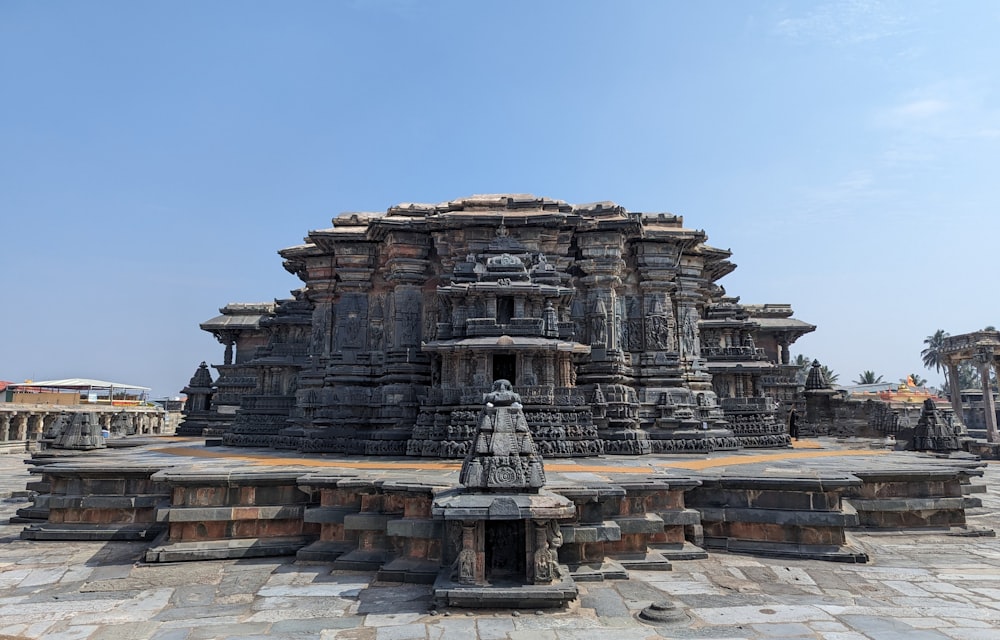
(916, 380)
(828, 373)
(868, 377)
(932, 356)
(804, 363)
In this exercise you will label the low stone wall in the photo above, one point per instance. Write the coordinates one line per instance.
(90, 502)
(374, 522)
(232, 514)
(894, 499)
(795, 517)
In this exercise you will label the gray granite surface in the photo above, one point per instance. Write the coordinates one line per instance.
(918, 586)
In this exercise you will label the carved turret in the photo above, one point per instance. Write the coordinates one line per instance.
(503, 455)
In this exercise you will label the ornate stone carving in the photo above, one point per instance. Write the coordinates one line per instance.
(503, 455)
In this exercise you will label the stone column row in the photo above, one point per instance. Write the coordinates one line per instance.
(984, 361)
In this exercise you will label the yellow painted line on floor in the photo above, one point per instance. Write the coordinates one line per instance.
(751, 459)
(806, 444)
(273, 461)
(650, 467)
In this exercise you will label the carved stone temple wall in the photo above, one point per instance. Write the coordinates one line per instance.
(610, 325)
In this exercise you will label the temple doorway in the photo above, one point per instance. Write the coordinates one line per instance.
(505, 309)
(505, 550)
(505, 368)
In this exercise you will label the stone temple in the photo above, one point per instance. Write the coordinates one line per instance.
(610, 325)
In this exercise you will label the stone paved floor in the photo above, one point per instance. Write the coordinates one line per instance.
(917, 587)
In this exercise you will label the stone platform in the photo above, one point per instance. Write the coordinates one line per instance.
(374, 513)
(925, 584)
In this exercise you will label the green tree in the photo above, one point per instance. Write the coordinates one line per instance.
(932, 356)
(868, 377)
(804, 363)
(829, 374)
(968, 376)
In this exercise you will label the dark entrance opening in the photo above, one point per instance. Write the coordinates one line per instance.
(505, 550)
(505, 310)
(505, 367)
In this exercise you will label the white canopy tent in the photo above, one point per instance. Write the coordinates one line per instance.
(93, 388)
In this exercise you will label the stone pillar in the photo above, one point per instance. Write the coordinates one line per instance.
(227, 358)
(565, 368)
(784, 352)
(5, 427)
(524, 367)
(955, 391)
(447, 369)
(34, 427)
(469, 564)
(548, 370)
(984, 360)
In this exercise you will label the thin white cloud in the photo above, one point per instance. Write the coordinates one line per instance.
(956, 110)
(846, 23)
(920, 109)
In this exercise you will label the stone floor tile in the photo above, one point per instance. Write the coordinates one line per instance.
(678, 587)
(278, 615)
(126, 631)
(794, 575)
(11, 577)
(783, 630)
(348, 634)
(527, 622)
(888, 628)
(535, 634)
(189, 623)
(237, 631)
(945, 588)
(75, 632)
(193, 595)
(401, 632)
(395, 598)
(451, 629)
(245, 581)
(347, 590)
(760, 615)
(634, 633)
(170, 634)
(971, 634)
(605, 601)
(494, 628)
(827, 626)
(304, 603)
(312, 625)
(235, 598)
(42, 577)
(391, 619)
(973, 623)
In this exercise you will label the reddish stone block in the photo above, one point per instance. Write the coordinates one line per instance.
(246, 513)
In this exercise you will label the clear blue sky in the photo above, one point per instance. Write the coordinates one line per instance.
(155, 156)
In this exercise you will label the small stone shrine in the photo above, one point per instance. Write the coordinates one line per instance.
(934, 432)
(82, 432)
(502, 530)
